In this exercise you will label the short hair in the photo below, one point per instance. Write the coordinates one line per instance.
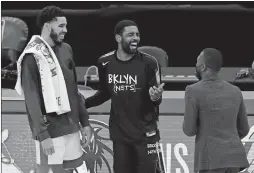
(213, 59)
(121, 24)
(47, 14)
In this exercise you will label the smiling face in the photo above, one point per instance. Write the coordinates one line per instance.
(129, 39)
(58, 29)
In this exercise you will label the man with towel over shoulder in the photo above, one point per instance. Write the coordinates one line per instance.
(47, 79)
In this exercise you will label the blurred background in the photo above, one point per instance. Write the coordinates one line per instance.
(182, 29)
(174, 32)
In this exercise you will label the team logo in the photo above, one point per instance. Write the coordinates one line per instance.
(97, 153)
(123, 82)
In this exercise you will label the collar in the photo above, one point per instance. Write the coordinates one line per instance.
(133, 57)
(211, 78)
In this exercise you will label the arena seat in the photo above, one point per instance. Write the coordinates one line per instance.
(14, 38)
(156, 52)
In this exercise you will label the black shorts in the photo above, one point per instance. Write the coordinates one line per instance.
(135, 158)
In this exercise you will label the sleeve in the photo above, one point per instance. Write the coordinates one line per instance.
(154, 78)
(102, 95)
(30, 85)
(83, 114)
(190, 122)
(242, 120)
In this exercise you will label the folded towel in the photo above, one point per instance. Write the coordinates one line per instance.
(53, 85)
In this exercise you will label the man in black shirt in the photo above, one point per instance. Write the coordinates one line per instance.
(131, 80)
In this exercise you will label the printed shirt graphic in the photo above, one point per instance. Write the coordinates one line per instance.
(131, 76)
(123, 82)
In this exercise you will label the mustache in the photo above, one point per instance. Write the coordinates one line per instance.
(135, 41)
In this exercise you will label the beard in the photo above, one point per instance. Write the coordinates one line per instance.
(55, 37)
(198, 74)
(127, 48)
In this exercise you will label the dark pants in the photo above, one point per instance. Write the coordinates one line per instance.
(222, 170)
(134, 158)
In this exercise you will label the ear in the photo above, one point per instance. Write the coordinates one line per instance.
(118, 38)
(47, 26)
(203, 67)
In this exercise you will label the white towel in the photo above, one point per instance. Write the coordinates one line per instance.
(54, 90)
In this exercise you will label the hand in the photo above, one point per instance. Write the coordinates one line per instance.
(48, 146)
(155, 93)
(86, 131)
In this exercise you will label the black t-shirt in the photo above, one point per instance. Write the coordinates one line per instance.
(127, 84)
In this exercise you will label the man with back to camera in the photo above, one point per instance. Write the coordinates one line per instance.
(131, 80)
(47, 78)
(215, 113)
